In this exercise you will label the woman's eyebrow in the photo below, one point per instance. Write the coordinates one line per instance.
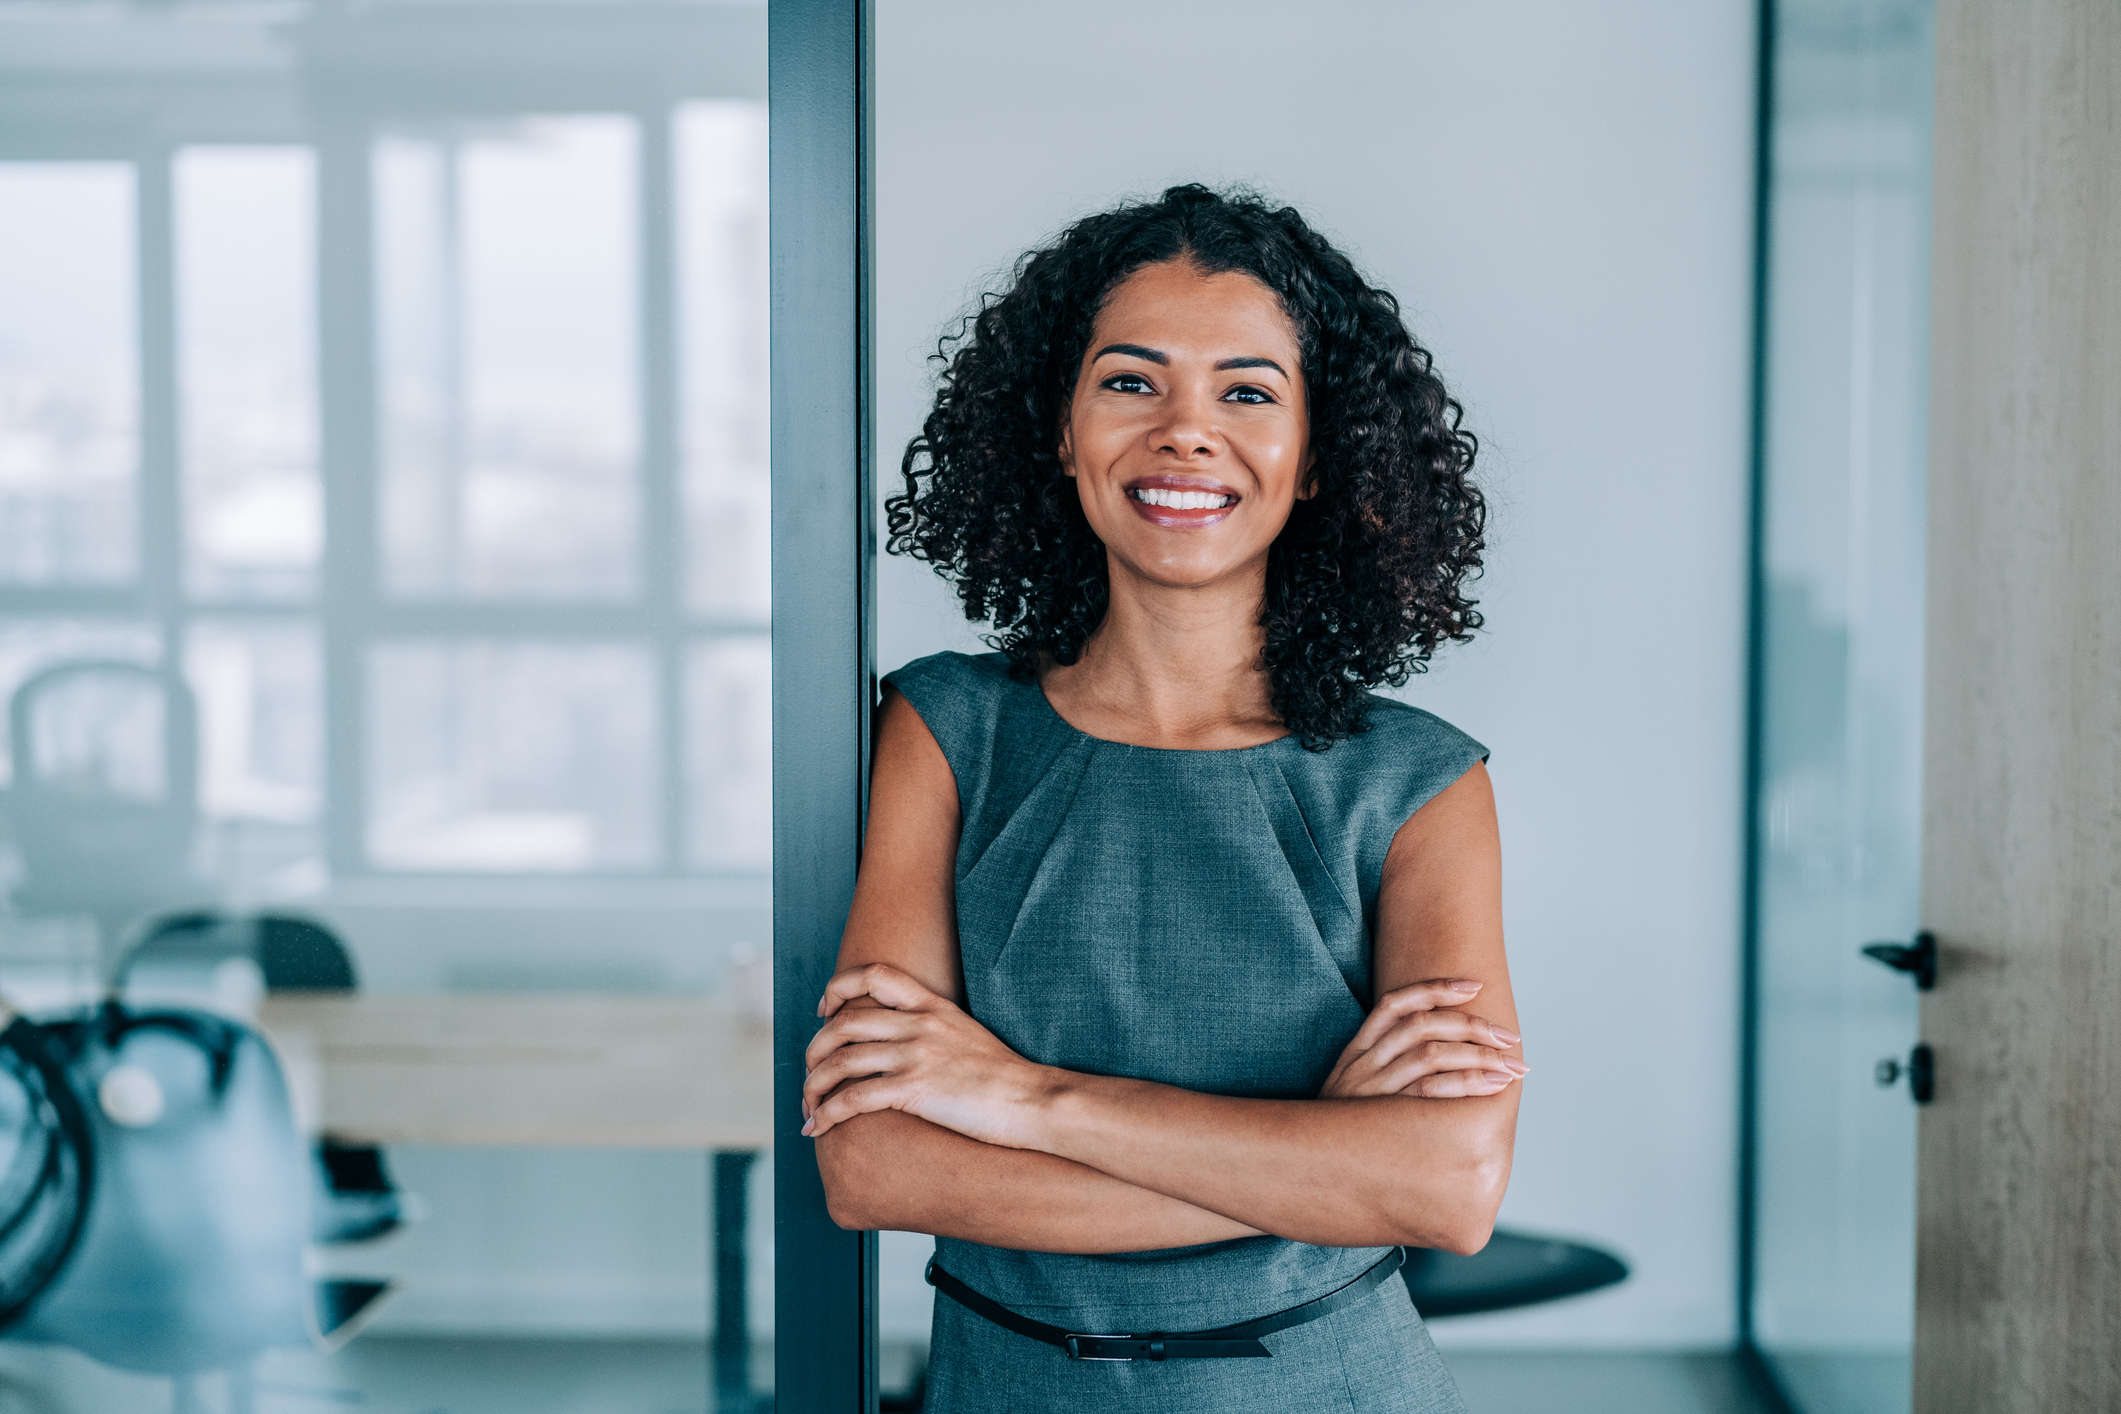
(1159, 356)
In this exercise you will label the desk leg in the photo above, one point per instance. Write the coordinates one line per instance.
(732, 1308)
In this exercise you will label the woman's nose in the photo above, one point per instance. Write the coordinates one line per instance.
(1187, 428)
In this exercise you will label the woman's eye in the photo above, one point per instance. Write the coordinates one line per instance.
(1247, 394)
(1127, 383)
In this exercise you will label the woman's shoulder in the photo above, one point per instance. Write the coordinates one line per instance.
(953, 684)
(1400, 727)
(952, 672)
(994, 729)
(961, 696)
(1401, 758)
(1356, 794)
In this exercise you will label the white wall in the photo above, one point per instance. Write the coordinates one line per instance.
(1560, 193)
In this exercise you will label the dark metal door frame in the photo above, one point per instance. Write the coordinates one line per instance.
(824, 649)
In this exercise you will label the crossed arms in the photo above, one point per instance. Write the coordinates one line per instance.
(926, 1122)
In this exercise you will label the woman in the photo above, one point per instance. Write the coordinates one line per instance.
(1173, 998)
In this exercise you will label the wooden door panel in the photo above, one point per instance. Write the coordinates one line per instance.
(2019, 1217)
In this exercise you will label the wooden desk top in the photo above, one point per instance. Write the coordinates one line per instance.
(532, 1070)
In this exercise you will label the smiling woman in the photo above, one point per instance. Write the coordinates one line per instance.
(1154, 1001)
(1366, 579)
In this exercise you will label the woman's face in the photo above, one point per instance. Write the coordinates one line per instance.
(1188, 433)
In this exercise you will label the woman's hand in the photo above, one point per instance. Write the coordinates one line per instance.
(1416, 1042)
(917, 1052)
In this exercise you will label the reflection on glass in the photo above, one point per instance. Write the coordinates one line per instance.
(721, 187)
(100, 734)
(729, 753)
(509, 756)
(506, 259)
(389, 754)
(28, 646)
(69, 387)
(246, 339)
(1841, 768)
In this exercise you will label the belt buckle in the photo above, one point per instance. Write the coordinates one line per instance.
(1075, 1352)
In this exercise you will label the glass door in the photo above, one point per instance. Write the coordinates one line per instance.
(384, 527)
(1837, 802)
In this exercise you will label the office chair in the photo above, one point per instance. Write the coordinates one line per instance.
(1513, 1270)
(152, 1206)
(355, 1199)
(105, 792)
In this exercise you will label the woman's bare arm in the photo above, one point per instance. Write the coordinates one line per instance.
(1398, 1168)
(893, 1170)
(1383, 1168)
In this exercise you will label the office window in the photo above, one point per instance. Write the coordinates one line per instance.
(508, 291)
(511, 755)
(69, 387)
(721, 158)
(729, 753)
(259, 685)
(245, 248)
(392, 694)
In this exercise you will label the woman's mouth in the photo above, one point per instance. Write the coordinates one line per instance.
(1180, 505)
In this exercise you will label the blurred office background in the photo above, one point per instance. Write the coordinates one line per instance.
(393, 376)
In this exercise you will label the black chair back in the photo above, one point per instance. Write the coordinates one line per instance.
(298, 955)
(292, 953)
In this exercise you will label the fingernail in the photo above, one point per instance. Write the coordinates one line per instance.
(1494, 1077)
(1505, 1035)
(1517, 1067)
(1464, 986)
(808, 1125)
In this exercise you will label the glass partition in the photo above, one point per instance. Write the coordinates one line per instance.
(1838, 804)
(383, 526)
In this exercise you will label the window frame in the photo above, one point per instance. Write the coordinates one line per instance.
(319, 97)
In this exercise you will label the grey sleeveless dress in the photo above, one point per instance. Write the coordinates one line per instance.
(1201, 919)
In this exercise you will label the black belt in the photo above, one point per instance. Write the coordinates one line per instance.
(1236, 1342)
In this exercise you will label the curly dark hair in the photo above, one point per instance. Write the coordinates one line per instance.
(1370, 573)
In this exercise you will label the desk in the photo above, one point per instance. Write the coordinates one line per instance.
(540, 1069)
(528, 1070)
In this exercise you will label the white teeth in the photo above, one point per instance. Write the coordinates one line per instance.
(1182, 500)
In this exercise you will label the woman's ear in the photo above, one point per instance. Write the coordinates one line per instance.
(1066, 452)
(1306, 483)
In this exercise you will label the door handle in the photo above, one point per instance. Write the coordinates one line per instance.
(1920, 1068)
(1918, 957)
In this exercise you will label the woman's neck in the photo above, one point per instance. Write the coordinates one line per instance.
(1172, 667)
